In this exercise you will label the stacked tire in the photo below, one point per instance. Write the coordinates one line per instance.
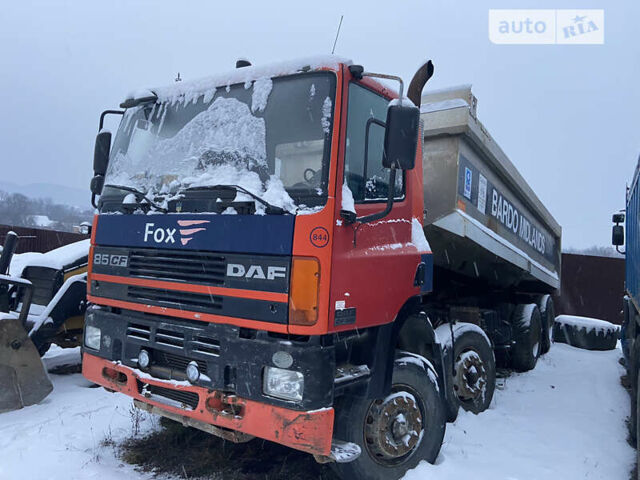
(586, 333)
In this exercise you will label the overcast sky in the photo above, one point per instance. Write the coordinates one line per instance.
(567, 116)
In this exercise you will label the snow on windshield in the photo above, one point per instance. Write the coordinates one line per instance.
(268, 136)
(223, 145)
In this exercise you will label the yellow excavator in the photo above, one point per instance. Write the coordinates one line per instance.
(42, 301)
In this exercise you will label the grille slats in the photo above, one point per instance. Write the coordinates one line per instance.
(180, 267)
(170, 338)
(181, 396)
(206, 346)
(172, 297)
(178, 362)
(139, 332)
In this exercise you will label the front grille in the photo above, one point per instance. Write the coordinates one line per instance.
(177, 362)
(180, 396)
(172, 298)
(197, 343)
(191, 267)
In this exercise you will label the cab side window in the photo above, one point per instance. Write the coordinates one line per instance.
(367, 180)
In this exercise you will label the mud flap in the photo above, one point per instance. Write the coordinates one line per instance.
(23, 379)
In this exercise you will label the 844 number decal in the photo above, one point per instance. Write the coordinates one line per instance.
(319, 237)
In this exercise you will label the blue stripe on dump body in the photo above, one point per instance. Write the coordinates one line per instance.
(261, 234)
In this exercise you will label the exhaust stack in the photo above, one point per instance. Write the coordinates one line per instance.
(419, 80)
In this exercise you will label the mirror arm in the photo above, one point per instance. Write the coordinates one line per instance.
(366, 140)
(377, 216)
(93, 200)
(108, 112)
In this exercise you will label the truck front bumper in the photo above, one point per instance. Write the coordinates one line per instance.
(308, 431)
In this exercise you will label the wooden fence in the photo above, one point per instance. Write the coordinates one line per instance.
(39, 239)
(591, 287)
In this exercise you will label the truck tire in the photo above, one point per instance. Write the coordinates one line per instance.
(586, 333)
(391, 431)
(472, 380)
(548, 315)
(526, 323)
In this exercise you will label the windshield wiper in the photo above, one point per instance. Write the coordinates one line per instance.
(270, 208)
(139, 195)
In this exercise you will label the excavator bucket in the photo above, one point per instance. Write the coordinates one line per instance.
(23, 379)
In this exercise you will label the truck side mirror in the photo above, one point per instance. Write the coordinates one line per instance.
(101, 153)
(401, 137)
(100, 163)
(97, 183)
(617, 236)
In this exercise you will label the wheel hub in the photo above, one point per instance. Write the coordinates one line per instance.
(470, 376)
(393, 426)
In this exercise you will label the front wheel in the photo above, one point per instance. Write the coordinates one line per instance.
(394, 433)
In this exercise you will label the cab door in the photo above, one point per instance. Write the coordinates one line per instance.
(374, 264)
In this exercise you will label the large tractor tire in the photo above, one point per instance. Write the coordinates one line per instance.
(547, 315)
(397, 432)
(586, 333)
(526, 322)
(470, 367)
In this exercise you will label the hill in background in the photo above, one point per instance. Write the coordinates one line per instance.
(20, 210)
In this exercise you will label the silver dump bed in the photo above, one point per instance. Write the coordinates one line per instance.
(482, 219)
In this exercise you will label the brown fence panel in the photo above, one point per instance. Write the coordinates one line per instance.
(39, 239)
(591, 287)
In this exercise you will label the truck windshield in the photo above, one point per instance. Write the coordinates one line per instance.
(271, 137)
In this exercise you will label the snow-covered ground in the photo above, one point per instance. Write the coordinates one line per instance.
(62, 437)
(564, 420)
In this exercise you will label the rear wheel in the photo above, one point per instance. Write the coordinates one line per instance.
(527, 332)
(547, 315)
(397, 432)
(473, 380)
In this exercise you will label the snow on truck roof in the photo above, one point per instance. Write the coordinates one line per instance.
(189, 90)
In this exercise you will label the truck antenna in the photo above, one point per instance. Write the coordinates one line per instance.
(337, 35)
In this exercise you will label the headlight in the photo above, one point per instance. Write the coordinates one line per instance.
(92, 337)
(281, 383)
(193, 372)
(144, 359)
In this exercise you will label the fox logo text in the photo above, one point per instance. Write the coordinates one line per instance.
(255, 271)
(159, 235)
